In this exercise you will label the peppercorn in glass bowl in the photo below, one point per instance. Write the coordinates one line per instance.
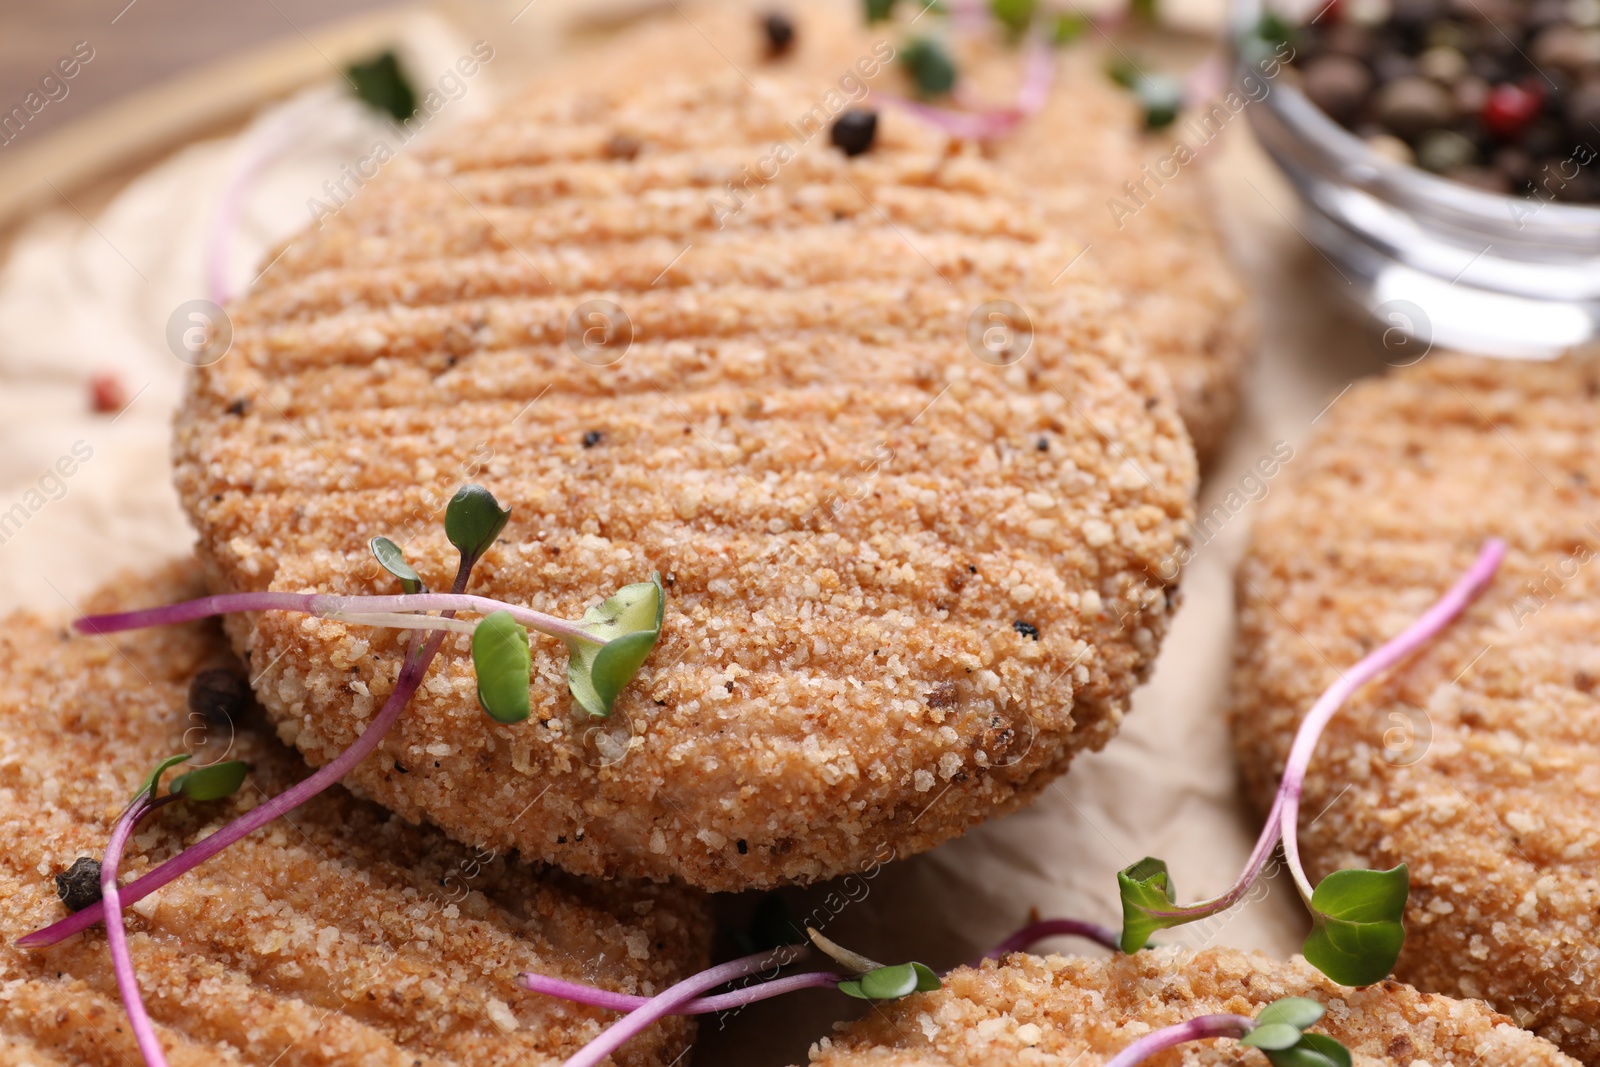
(1456, 189)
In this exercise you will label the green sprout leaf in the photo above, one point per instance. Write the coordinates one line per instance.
(1357, 932)
(381, 84)
(473, 519)
(211, 783)
(391, 559)
(504, 667)
(932, 70)
(1272, 1037)
(1069, 28)
(1161, 96)
(152, 781)
(891, 983)
(1299, 1012)
(1313, 1050)
(1145, 887)
(1015, 15)
(629, 622)
(880, 10)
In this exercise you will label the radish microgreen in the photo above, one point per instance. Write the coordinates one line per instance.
(1357, 930)
(1278, 1031)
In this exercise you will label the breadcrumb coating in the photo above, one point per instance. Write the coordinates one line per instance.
(851, 511)
(1166, 260)
(338, 935)
(1058, 1010)
(1475, 762)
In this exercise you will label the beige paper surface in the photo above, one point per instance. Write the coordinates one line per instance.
(76, 298)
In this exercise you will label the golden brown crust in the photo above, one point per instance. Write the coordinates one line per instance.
(1475, 763)
(1162, 251)
(338, 935)
(1056, 1011)
(850, 509)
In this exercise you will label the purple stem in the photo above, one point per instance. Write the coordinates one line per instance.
(411, 675)
(117, 938)
(1036, 932)
(324, 604)
(604, 998)
(673, 998)
(988, 123)
(1423, 630)
(1196, 1029)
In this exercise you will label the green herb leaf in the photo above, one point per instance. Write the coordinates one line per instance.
(932, 70)
(473, 520)
(1298, 1012)
(391, 559)
(1357, 932)
(629, 622)
(1069, 28)
(211, 783)
(504, 667)
(1145, 887)
(1313, 1050)
(1015, 15)
(383, 85)
(1161, 96)
(879, 10)
(891, 983)
(152, 781)
(1272, 1037)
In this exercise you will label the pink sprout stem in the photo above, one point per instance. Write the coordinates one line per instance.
(986, 124)
(117, 938)
(670, 1000)
(412, 672)
(1036, 932)
(325, 605)
(579, 993)
(1413, 637)
(1197, 1029)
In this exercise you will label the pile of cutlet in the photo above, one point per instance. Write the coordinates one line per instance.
(906, 433)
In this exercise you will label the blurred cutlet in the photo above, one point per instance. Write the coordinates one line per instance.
(1160, 245)
(340, 934)
(1477, 761)
(1056, 1011)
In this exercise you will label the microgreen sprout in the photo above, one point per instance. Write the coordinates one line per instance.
(1278, 1030)
(473, 520)
(214, 782)
(1357, 932)
(605, 648)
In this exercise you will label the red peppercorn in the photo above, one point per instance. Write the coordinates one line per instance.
(1509, 110)
(107, 394)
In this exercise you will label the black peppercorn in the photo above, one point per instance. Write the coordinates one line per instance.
(79, 886)
(592, 438)
(854, 131)
(218, 695)
(780, 33)
(1026, 629)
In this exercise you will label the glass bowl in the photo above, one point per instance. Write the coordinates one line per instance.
(1446, 264)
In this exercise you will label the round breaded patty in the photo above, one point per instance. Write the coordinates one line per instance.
(1476, 761)
(338, 935)
(1162, 249)
(904, 585)
(1056, 1011)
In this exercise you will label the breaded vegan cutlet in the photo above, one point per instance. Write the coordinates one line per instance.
(1475, 762)
(904, 585)
(1056, 1011)
(338, 935)
(1160, 246)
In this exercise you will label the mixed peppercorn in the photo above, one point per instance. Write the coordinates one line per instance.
(1502, 95)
